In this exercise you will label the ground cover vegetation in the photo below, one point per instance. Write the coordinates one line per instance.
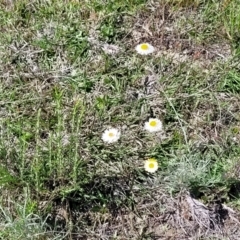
(103, 138)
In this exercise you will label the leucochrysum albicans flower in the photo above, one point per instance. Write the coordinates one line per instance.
(151, 165)
(144, 48)
(153, 125)
(111, 135)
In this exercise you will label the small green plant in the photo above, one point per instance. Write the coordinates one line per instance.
(20, 221)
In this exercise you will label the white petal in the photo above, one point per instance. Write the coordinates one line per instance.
(145, 52)
(110, 139)
(148, 169)
(156, 128)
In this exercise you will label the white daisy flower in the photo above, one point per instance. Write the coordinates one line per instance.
(153, 125)
(144, 48)
(151, 165)
(111, 135)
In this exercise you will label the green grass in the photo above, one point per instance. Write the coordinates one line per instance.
(61, 87)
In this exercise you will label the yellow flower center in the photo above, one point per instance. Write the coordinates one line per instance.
(151, 165)
(111, 134)
(153, 123)
(144, 46)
